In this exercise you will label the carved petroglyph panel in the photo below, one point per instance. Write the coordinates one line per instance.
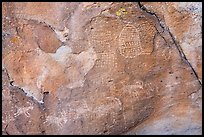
(139, 89)
(137, 39)
(147, 33)
(101, 39)
(106, 61)
(137, 94)
(103, 33)
(129, 42)
(94, 110)
(99, 68)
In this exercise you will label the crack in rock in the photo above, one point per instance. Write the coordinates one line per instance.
(178, 47)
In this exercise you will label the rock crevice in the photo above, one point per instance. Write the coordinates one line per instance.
(100, 68)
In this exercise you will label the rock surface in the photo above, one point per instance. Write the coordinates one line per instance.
(101, 68)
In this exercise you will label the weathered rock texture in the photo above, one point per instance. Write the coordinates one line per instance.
(101, 68)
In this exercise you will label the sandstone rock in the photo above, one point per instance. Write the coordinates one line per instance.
(101, 68)
(184, 21)
(20, 114)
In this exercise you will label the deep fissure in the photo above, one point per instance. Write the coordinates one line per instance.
(178, 47)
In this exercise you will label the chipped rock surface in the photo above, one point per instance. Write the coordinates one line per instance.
(101, 68)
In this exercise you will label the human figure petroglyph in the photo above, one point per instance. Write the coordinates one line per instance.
(59, 121)
(23, 110)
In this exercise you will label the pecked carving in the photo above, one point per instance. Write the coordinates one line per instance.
(147, 33)
(129, 42)
(94, 68)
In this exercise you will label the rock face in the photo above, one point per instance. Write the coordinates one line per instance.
(101, 68)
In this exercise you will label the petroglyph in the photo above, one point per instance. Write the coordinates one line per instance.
(146, 34)
(183, 83)
(137, 40)
(104, 106)
(59, 121)
(106, 61)
(166, 53)
(23, 110)
(133, 90)
(129, 42)
(99, 68)
(103, 34)
(116, 100)
(146, 90)
(100, 34)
